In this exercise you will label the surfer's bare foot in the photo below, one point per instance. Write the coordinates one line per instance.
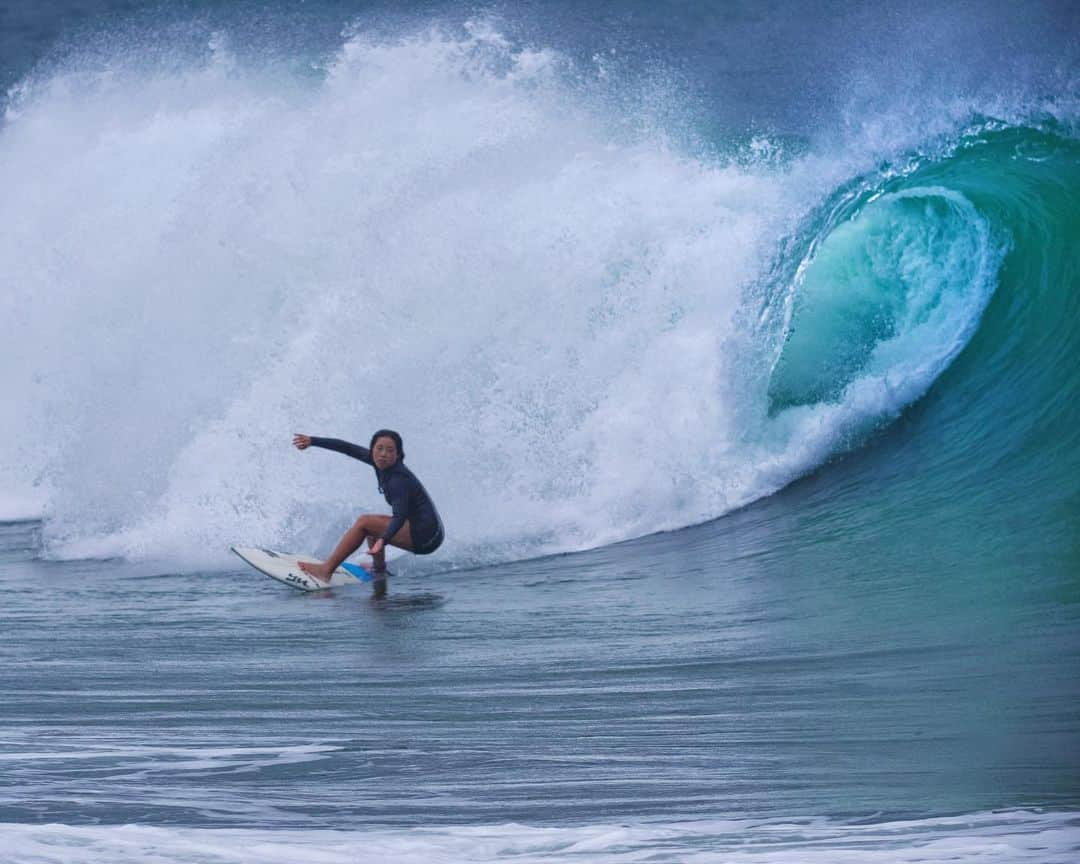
(318, 571)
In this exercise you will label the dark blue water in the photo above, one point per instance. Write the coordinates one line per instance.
(795, 288)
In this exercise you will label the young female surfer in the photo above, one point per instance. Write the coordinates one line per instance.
(415, 524)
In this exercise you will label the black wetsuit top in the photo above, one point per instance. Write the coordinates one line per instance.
(404, 493)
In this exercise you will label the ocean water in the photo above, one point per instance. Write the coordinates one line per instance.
(735, 343)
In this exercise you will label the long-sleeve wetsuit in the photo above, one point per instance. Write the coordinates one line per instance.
(404, 493)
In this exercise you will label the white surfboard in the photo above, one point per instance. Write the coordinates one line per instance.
(285, 567)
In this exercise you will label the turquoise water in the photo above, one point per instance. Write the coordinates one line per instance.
(738, 353)
(1001, 419)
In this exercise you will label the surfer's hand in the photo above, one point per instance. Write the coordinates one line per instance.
(301, 442)
(376, 547)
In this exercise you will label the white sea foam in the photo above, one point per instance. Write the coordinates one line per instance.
(1012, 837)
(143, 759)
(441, 236)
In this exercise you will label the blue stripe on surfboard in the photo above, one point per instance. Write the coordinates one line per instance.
(357, 571)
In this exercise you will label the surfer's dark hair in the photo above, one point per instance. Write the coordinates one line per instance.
(391, 434)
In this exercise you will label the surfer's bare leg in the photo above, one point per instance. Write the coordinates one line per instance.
(377, 550)
(378, 585)
(368, 527)
(378, 559)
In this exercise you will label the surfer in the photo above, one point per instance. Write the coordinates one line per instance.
(415, 524)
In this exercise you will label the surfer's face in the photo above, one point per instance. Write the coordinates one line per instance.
(384, 453)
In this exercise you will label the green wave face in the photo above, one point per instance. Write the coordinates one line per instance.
(967, 252)
(896, 283)
(969, 265)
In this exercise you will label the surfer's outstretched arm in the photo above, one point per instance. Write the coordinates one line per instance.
(302, 442)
